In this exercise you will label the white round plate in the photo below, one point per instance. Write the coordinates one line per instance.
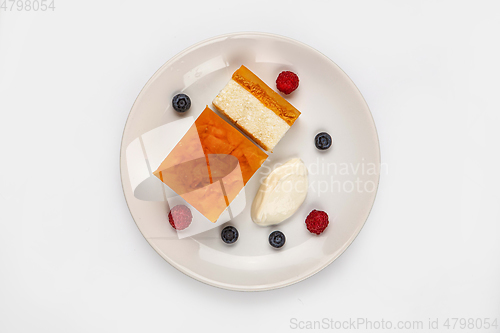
(343, 180)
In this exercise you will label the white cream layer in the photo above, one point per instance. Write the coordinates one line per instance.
(251, 114)
(281, 193)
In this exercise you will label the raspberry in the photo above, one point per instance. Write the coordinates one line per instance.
(180, 217)
(287, 82)
(317, 221)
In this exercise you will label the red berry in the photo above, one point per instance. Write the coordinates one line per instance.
(180, 217)
(287, 82)
(317, 221)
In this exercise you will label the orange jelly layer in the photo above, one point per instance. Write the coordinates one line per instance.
(210, 164)
(270, 98)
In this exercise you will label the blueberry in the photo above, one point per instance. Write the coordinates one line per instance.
(277, 239)
(323, 141)
(181, 102)
(229, 235)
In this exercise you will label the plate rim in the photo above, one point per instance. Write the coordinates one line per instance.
(198, 277)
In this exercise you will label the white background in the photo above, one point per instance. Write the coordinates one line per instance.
(72, 258)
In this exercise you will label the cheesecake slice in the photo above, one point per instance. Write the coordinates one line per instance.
(257, 110)
(210, 165)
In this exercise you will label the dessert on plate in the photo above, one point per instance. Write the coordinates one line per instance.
(260, 112)
(213, 161)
